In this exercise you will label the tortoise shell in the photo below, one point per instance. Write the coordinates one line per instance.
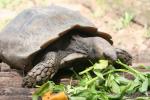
(36, 28)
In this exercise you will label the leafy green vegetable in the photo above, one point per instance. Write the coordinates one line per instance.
(49, 86)
(43, 89)
(144, 86)
(101, 65)
(77, 98)
(102, 82)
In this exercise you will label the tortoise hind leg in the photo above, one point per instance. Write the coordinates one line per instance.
(43, 71)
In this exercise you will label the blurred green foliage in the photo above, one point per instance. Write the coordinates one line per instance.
(125, 20)
(4, 3)
(147, 33)
(4, 22)
(9, 3)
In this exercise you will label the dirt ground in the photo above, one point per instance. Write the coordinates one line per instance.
(126, 20)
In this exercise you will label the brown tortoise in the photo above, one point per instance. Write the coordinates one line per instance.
(43, 40)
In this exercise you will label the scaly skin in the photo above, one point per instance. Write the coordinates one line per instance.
(43, 71)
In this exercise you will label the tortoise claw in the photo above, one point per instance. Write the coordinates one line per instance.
(29, 82)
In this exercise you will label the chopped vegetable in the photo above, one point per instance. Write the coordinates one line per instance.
(54, 96)
(102, 81)
(58, 96)
(47, 96)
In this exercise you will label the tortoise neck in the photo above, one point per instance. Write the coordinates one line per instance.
(77, 45)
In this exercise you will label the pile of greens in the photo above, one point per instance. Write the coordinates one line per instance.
(103, 81)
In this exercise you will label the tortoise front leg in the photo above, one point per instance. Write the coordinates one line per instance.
(43, 71)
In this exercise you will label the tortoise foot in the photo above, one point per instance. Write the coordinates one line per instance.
(29, 82)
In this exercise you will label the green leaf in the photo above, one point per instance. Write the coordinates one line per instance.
(115, 87)
(35, 97)
(147, 67)
(88, 75)
(48, 86)
(103, 96)
(124, 90)
(91, 81)
(58, 88)
(144, 86)
(132, 70)
(134, 87)
(77, 98)
(83, 81)
(43, 89)
(75, 90)
(148, 81)
(143, 98)
(122, 80)
(127, 19)
(112, 84)
(86, 70)
(101, 65)
(100, 75)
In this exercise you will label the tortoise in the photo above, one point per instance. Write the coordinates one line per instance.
(43, 40)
